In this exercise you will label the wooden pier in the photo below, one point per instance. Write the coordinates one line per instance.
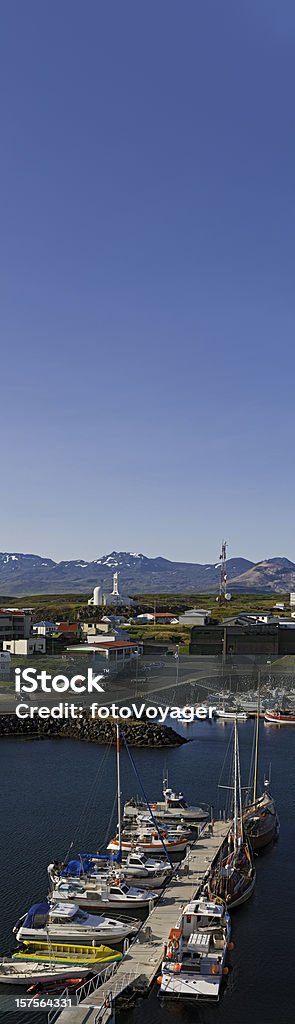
(142, 962)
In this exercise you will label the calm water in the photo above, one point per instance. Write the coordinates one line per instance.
(55, 792)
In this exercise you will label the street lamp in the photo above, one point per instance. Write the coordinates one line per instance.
(177, 662)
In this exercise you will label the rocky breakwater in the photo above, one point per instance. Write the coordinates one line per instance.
(138, 733)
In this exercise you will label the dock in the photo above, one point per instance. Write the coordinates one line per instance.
(142, 962)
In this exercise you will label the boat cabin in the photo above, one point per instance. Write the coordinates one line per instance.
(199, 918)
(174, 800)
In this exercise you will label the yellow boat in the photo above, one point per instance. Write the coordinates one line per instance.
(63, 952)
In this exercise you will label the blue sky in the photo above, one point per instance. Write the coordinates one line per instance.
(147, 277)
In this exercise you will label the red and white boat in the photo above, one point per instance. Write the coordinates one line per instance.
(277, 717)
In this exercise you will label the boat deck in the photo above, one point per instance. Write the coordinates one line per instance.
(142, 961)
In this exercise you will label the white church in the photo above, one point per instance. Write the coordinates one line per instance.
(100, 598)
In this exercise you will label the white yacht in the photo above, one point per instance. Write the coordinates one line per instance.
(147, 821)
(92, 896)
(232, 714)
(194, 964)
(137, 865)
(66, 922)
(148, 841)
(172, 808)
(88, 870)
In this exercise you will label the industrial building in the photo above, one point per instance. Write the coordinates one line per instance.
(248, 638)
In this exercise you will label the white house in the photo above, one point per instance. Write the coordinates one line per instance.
(195, 617)
(44, 628)
(34, 645)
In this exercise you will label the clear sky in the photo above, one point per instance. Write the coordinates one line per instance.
(147, 251)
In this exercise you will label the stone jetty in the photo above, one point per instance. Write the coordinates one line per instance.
(138, 733)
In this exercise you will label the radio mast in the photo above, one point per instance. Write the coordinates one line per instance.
(223, 572)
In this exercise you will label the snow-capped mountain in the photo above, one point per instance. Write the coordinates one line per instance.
(22, 574)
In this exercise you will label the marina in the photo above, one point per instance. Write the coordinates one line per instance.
(140, 965)
(142, 962)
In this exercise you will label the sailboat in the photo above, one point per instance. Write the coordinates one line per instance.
(261, 823)
(232, 879)
(148, 838)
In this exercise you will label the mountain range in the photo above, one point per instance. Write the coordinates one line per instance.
(22, 574)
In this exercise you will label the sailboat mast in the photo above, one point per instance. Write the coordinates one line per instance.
(256, 741)
(240, 787)
(118, 786)
(235, 790)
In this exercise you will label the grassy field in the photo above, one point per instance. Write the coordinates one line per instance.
(68, 606)
(239, 602)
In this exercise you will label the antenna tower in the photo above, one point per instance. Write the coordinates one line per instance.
(223, 572)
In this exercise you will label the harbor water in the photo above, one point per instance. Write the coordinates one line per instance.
(55, 793)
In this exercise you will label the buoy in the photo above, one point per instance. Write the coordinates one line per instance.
(225, 970)
(214, 969)
(231, 945)
(159, 979)
(177, 968)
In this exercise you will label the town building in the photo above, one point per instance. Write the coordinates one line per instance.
(5, 661)
(95, 628)
(32, 645)
(247, 638)
(68, 630)
(195, 617)
(119, 651)
(15, 624)
(44, 628)
(116, 652)
(166, 619)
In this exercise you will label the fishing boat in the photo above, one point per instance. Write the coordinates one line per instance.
(172, 808)
(68, 923)
(194, 962)
(261, 823)
(275, 716)
(232, 878)
(71, 954)
(116, 896)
